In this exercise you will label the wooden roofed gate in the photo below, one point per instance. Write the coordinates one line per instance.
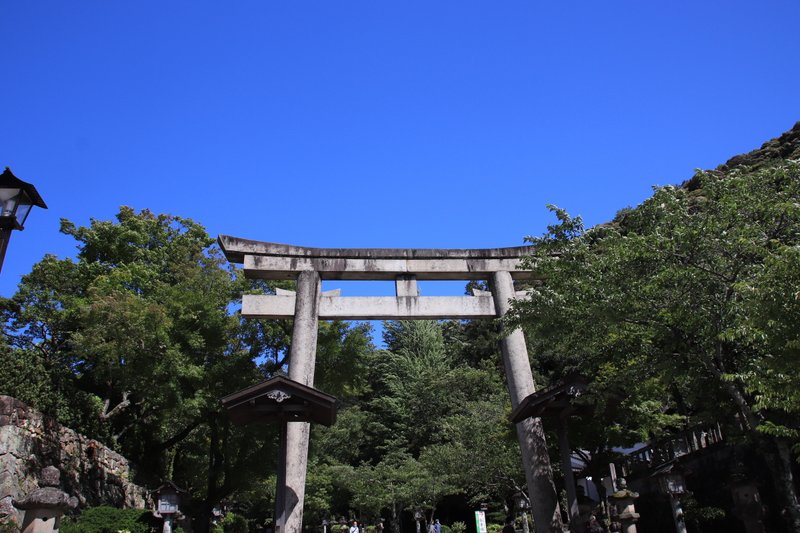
(309, 266)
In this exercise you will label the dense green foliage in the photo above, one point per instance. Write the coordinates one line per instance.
(135, 341)
(106, 519)
(232, 523)
(431, 424)
(683, 310)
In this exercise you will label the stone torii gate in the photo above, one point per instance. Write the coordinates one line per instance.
(309, 266)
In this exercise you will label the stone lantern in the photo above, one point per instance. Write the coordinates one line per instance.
(626, 512)
(522, 504)
(747, 505)
(418, 516)
(45, 506)
(672, 483)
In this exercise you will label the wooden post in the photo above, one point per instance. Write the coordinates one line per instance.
(280, 485)
(575, 523)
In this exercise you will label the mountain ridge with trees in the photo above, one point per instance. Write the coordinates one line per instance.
(683, 310)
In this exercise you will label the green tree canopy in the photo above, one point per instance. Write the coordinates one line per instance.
(135, 341)
(433, 423)
(683, 310)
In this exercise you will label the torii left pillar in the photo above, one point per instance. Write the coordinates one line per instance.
(302, 359)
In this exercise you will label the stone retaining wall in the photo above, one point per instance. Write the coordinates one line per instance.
(30, 441)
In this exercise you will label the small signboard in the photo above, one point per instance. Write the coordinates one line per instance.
(480, 522)
(168, 503)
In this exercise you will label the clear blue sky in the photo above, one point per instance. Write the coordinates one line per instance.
(379, 123)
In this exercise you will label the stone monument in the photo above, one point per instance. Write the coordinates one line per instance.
(45, 506)
(309, 266)
(626, 511)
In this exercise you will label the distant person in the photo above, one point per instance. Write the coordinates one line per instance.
(437, 526)
(509, 527)
(432, 528)
(379, 526)
(594, 526)
(354, 527)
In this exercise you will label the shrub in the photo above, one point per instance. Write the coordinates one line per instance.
(458, 527)
(107, 519)
(234, 523)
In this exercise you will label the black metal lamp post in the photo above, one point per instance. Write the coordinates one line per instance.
(16, 199)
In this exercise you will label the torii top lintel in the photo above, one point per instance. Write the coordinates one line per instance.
(266, 260)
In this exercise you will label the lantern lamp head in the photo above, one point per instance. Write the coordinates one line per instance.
(169, 498)
(521, 501)
(672, 483)
(16, 199)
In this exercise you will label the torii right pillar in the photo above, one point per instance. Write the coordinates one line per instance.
(519, 378)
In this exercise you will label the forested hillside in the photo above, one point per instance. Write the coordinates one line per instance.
(684, 310)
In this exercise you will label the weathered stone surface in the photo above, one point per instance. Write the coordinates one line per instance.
(50, 477)
(236, 248)
(358, 268)
(374, 307)
(47, 498)
(30, 441)
(263, 260)
(303, 356)
(519, 380)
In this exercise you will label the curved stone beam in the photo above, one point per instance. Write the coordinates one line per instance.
(236, 248)
(266, 260)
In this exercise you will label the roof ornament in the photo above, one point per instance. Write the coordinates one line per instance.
(278, 395)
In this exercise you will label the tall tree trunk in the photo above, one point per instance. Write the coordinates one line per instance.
(202, 522)
(779, 461)
(394, 523)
